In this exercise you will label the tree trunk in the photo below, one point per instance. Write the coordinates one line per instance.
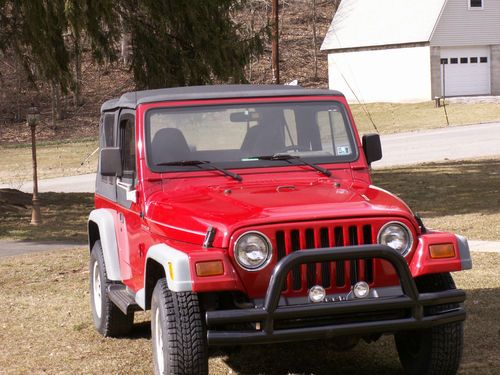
(124, 43)
(77, 100)
(57, 112)
(314, 37)
(275, 44)
(17, 116)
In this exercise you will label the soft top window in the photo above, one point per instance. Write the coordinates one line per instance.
(234, 136)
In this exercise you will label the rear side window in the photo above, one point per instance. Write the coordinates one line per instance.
(108, 130)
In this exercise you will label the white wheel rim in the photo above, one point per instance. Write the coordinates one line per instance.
(158, 342)
(97, 290)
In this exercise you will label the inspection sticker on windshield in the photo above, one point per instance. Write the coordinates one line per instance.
(343, 150)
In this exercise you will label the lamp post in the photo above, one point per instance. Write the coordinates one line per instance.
(32, 117)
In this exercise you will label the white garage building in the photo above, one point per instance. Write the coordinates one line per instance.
(414, 50)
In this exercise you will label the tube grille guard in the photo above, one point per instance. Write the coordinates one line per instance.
(271, 312)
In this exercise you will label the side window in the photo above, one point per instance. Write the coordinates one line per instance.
(127, 146)
(108, 130)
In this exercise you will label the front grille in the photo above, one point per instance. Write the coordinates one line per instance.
(330, 275)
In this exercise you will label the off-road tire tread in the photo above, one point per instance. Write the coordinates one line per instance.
(185, 335)
(114, 323)
(446, 341)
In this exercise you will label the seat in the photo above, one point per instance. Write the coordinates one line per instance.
(168, 145)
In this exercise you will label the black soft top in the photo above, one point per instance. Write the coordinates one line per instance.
(133, 99)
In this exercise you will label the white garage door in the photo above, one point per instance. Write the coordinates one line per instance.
(465, 71)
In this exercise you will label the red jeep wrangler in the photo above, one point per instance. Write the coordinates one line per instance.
(246, 215)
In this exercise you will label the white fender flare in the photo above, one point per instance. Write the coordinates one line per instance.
(104, 219)
(176, 265)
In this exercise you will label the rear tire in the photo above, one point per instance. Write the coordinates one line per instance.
(108, 319)
(437, 350)
(177, 333)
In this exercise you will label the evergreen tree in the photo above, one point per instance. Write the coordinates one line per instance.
(178, 43)
(174, 43)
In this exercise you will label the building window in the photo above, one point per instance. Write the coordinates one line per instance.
(475, 4)
(483, 59)
(454, 60)
(444, 61)
(464, 60)
(473, 60)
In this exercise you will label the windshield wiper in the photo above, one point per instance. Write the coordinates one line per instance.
(288, 158)
(200, 164)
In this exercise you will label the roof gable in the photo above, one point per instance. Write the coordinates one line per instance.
(366, 23)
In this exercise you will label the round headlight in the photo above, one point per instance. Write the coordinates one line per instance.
(397, 236)
(252, 251)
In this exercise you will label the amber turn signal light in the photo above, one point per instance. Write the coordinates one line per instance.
(446, 250)
(210, 268)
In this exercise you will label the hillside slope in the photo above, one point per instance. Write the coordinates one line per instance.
(102, 83)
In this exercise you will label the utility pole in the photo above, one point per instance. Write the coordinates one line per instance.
(275, 45)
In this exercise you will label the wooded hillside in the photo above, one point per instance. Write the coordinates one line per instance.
(62, 117)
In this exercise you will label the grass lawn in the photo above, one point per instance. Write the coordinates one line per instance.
(54, 159)
(462, 197)
(64, 218)
(404, 117)
(47, 328)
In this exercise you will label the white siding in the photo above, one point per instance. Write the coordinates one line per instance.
(461, 26)
(392, 75)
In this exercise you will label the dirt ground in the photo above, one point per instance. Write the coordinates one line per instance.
(46, 328)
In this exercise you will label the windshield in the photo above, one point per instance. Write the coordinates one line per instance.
(234, 136)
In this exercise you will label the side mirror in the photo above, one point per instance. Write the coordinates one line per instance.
(111, 162)
(372, 147)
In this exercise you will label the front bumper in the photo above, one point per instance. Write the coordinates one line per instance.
(408, 311)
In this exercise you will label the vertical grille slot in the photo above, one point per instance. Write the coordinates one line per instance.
(311, 267)
(280, 244)
(281, 251)
(353, 240)
(324, 239)
(368, 239)
(339, 264)
(296, 279)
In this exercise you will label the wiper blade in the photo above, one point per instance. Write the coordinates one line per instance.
(200, 164)
(288, 157)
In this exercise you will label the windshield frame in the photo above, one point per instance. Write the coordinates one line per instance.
(250, 164)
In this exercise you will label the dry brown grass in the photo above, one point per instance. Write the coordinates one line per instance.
(405, 117)
(462, 197)
(54, 159)
(46, 328)
(64, 218)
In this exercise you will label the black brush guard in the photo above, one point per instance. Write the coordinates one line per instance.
(411, 300)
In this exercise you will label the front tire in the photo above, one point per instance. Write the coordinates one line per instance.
(177, 333)
(437, 350)
(108, 319)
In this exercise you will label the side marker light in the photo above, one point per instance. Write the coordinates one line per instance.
(210, 268)
(441, 251)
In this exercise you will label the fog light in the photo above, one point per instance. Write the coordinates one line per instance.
(210, 268)
(442, 251)
(317, 294)
(361, 289)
